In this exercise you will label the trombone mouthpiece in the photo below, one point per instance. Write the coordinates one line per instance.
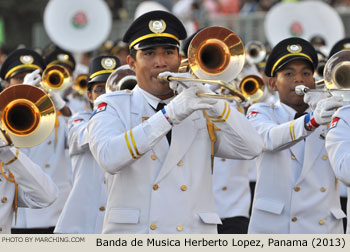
(163, 78)
(301, 89)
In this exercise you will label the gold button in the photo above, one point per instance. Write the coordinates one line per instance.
(323, 189)
(180, 163)
(223, 159)
(49, 142)
(4, 200)
(297, 188)
(321, 222)
(294, 219)
(155, 187)
(154, 157)
(102, 208)
(324, 157)
(293, 157)
(183, 188)
(179, 228)
(224, 188)
(127, 91)
(47, 166)
(153, 226)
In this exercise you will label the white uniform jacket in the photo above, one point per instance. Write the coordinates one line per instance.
(35, 189)
(157, 189)
(296, 190)
(231, 187)
(53, 162)
(338, 147)
(85, 207)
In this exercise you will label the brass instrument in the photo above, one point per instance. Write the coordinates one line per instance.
(81, 84)
(27, 116)
(252, 87)
(216, 55)
(121, 78)
(55, 78)
(336, 77)
(322, 60)
(256, 52)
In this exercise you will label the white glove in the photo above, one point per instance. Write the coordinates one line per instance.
(174, 85)
(57, 100)
(33, 78)
(325, 109)
(312, 98)
(187, 102)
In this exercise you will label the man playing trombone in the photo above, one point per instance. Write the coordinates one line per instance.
(156, 147)
(296, 190)
(50, 153)
(22, 184)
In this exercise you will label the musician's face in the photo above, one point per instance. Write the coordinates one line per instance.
(152, 61)
(16, 79)
(297, 72)
(98, 89)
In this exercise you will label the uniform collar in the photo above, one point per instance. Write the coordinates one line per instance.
(289, 111)
(151, 99)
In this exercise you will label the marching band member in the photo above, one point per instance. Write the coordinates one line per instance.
(85, 207)
(161, 184)
(343, 44)
(49, 155)
(22, 184)
(337, 141)
(296, 190)
(230, 182)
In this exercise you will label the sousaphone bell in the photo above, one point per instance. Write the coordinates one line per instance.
(27, 116)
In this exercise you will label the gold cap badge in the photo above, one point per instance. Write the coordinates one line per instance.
(26, 59)
(108, 63)
(294, 48)
(157, 26)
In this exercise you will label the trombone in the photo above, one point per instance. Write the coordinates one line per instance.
(252, 87)
(336, 77)
(27, 116)
(256, 52)
(81, 84)
(121, 78)
(55, 78)
(216, 55)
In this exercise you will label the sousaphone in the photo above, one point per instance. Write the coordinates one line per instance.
(304, 19)
(78, 25)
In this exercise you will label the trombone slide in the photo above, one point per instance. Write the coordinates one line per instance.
(209, 81)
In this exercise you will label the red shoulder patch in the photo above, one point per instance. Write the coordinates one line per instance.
(334, 123)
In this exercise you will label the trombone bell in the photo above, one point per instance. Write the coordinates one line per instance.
(252, 87)
(337, 74)
(121, 78)
(216, 53)
(27, 115)
(81, 84)
(55, 78)
(256, 52)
